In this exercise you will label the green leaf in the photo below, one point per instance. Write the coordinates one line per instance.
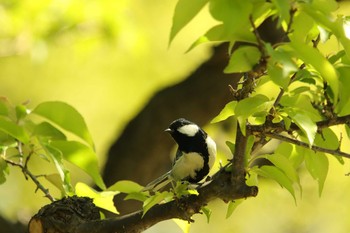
(280, 66)
(154, 200)
(13, 130)
(21, 112)
(4, 170)
(66, 117)
(313, 57)
(343, 106)
(137, 196)
(243, 59)
(232, 207)
(226, 112)
(283, 8)
(46, 130)
(231, 146)
(184, 225)
(126, 186)
(317, 165)
(304, 122)
(276, 174)
(57, 158)
(102, 199)
(82, 156)
(290, 151)
(329, 140)
(184, 12)
(207, 211)
(285, 165)
(56, 180)
(4, 106)
(255, 104)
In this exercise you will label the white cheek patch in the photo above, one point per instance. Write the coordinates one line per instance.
(186, 166)
(189, 130)
(212, 151)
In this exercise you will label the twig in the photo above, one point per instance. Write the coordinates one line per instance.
(306, 145)
(27, 173)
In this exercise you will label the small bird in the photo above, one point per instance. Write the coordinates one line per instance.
(194, 158)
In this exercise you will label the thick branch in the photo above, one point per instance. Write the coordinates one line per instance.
(221, 186)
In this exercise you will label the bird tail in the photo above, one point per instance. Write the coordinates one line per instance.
(158, 183)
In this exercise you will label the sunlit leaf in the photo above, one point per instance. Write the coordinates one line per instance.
(279, 176)
(255, 104)
(56, 180)
(125, 186)
(139, 196)
(305, 123)
(21, 111)
(154, 200)
(283, 8)
(243, 59)
(4, 170)
(343, 106)
(47, 130)
(66, 117)
(207, 211)
(317, 165)
(184, 225)
(13, 130)
(82, 156)
(184, 12)
(231, 207)
(102, 199)
(313, 57)
(226, 112)
(57, 158)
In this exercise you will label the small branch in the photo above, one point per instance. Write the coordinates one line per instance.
(27, 173)
(279, 127)
(306, 145)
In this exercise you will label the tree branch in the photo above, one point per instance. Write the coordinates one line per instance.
(221, 186)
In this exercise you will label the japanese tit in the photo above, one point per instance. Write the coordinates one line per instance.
(194, 158)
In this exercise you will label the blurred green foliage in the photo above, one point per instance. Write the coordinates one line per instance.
(106, 58)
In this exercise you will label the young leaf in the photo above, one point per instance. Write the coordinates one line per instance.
(66, 117)
(312, 56)
(184, 225)
(255, 104)
(276, 174)
(56, 180)
(56, 157)
(13, 130)
(21, 112)
(226, 112)
(126, 186)
(207, 212)
(304, 122)
(317, 165)
(4, 170)
(243, 59)
(137, 196)
(82, 156)
(154, 200)
(46, 130)
(232, 206)
(102, 199)
(184, 12)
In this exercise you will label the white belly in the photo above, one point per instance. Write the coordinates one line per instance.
(186, 166)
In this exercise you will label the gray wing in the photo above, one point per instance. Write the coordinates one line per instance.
(158, 183)
(177, 156)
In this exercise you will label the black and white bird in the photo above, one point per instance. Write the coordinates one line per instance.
(194, 158)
